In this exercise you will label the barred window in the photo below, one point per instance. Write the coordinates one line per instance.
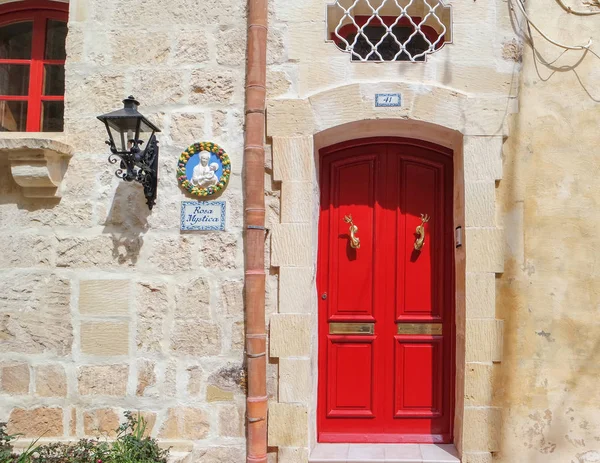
(389, 30)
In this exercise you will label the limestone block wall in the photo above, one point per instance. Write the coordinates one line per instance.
(484, 58)
(293, 330)
(104, 305)
(319, 97)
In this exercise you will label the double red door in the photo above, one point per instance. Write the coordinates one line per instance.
(386, 327)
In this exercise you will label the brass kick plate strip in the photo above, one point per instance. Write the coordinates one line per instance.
(432, 329)
(351, 328)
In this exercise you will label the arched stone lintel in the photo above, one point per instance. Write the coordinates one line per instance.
(436, 105)
(425, 131)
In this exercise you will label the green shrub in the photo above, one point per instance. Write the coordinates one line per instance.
(130, 446)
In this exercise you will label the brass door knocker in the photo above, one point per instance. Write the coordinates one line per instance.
(421, 232)
(354, 240)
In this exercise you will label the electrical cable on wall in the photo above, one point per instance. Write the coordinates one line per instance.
(585, 47)
(568, 9)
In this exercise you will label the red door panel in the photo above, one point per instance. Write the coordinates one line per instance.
(350, 370)
(418, 361)
(418, 293)
(353, 186)
(386, 310)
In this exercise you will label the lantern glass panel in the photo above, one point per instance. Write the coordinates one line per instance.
(123, 125)
(126, 125)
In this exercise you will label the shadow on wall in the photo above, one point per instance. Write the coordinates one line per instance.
(89, 199)
(127, 221)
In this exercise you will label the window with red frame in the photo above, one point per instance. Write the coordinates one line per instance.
(32, 66)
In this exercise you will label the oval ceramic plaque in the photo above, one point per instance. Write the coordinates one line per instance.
(204, 169)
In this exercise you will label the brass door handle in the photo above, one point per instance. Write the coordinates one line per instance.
(421, 232)
(354, 240)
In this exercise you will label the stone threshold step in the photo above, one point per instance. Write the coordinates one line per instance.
(384, 453)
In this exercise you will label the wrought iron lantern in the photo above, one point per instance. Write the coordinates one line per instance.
(124, 128)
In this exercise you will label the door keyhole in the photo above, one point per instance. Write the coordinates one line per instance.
(324, 296)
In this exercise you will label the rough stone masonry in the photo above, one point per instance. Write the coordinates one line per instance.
(105, 307)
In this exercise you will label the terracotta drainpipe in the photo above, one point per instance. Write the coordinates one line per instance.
(254, 246)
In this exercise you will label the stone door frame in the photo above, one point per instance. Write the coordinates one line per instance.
(474, 129)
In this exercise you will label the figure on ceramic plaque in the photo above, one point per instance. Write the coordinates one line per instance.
(204, 174)
(203, 169)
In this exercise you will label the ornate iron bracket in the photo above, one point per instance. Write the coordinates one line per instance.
(137, 165)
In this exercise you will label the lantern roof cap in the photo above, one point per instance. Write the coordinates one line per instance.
(129, 111)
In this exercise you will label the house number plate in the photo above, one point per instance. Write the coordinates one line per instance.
(388, 100)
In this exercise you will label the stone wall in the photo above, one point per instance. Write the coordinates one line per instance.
(319, 96)
(548, 295)
(105, 306)
(482, 60)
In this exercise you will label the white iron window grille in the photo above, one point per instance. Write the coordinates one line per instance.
(389, 30)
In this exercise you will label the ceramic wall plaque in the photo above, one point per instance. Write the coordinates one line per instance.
(203, 215)
(388, 100)
(204, 169)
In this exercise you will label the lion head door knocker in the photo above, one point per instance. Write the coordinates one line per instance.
(354, 240)
(420, 232)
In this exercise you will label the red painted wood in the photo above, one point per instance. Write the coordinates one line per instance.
(21, 98)
(30, 5)
(352, 273)
(386, 387)
(26, 61)
(418, 395)
(36, 77)
(39, 12)
(350, 376)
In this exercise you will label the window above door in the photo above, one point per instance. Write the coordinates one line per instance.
(32, 66)
(389, 30)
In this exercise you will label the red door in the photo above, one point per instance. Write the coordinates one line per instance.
(386, 309)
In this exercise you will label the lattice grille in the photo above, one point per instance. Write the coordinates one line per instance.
(389, 30)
